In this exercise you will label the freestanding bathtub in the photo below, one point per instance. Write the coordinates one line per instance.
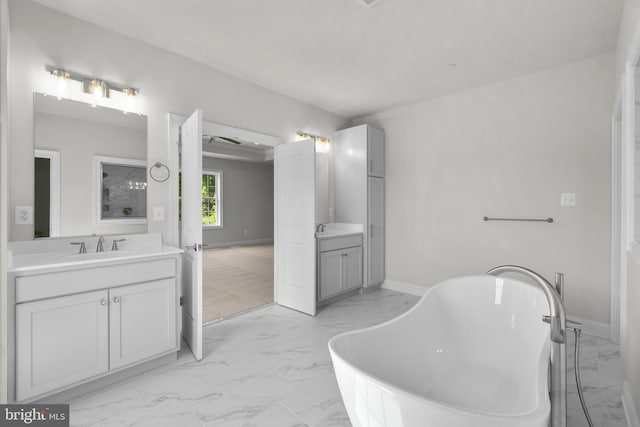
(472, 352)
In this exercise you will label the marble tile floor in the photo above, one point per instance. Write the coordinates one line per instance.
(271, 367)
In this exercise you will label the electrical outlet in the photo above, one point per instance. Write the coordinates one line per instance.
(24, 214)
(568, 199)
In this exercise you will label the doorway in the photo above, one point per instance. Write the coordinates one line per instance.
(237, 228)
(237, 217)
(46, 206)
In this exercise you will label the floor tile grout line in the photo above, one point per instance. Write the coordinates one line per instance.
(294, 413)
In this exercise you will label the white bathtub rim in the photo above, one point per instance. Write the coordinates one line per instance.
(541, 408)
(539, 412)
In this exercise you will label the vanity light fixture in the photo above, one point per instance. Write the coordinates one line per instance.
(93, 90)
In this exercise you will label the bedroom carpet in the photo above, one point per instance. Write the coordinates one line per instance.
(236, 279)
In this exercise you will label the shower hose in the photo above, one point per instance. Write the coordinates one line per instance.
(576, 361)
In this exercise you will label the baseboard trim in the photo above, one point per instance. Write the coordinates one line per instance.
(407, 288)
(630, 410)
(591, 327)
(240, 243)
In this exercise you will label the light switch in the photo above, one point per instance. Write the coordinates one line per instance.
(568, 199)
(24, 214)
(158, 213)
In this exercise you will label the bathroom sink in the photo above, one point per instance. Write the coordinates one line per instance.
(335, 229)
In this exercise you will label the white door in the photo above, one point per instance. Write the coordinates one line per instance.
(375, 152)
(61, 341)
(191, 236)
(375, 253)
(295, 226)
(142, 321)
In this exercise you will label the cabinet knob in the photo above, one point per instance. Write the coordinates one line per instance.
(103, 302)
(116, 299)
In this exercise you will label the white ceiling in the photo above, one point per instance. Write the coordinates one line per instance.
(353, 60)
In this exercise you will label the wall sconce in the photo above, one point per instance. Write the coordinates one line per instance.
(92, 90)
(323, 145)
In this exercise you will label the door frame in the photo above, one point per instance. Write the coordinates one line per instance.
(174, 121)
(618, 225)
(54, 188)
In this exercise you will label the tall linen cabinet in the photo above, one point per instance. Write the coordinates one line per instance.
(359, 172)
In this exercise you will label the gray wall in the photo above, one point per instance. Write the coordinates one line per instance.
(167, 83)
(247, 202)
(506, 149)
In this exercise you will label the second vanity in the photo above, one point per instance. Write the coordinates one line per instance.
(79, 317)
(339, 260)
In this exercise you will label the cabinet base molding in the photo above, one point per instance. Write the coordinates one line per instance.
(111, 378)
(338, 297)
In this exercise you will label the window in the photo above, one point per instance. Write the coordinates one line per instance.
(212, 198)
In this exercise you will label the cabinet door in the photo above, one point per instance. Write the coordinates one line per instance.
(375, 250)
(330, 274)
(60, 341)
(352, 263)
(375, 152)
(142, 321)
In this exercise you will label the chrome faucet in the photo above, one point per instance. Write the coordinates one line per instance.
(114, 245)
(100, 247)
(557, 321)
(320, 228)
(83, 248)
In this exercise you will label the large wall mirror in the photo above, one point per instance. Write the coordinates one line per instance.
(90, 169)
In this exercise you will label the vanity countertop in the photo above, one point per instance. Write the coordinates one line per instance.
(336, 234)
(338, 229)
(42, 255)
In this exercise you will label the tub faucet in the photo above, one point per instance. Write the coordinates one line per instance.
(558, 322)
(556, 308)
(100, 247)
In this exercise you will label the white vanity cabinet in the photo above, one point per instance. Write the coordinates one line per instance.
(77, 324)
(61, 341)
(359, 171)
(142, 321)
(339, 265)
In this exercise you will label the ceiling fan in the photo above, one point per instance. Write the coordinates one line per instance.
(212, 138)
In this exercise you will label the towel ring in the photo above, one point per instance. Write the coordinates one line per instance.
(159, 166)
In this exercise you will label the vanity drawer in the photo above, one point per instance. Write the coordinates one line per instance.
(34, 287)
(334, 243)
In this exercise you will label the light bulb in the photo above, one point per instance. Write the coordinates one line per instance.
(59, 83)
(100, 90)
(130, 100)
